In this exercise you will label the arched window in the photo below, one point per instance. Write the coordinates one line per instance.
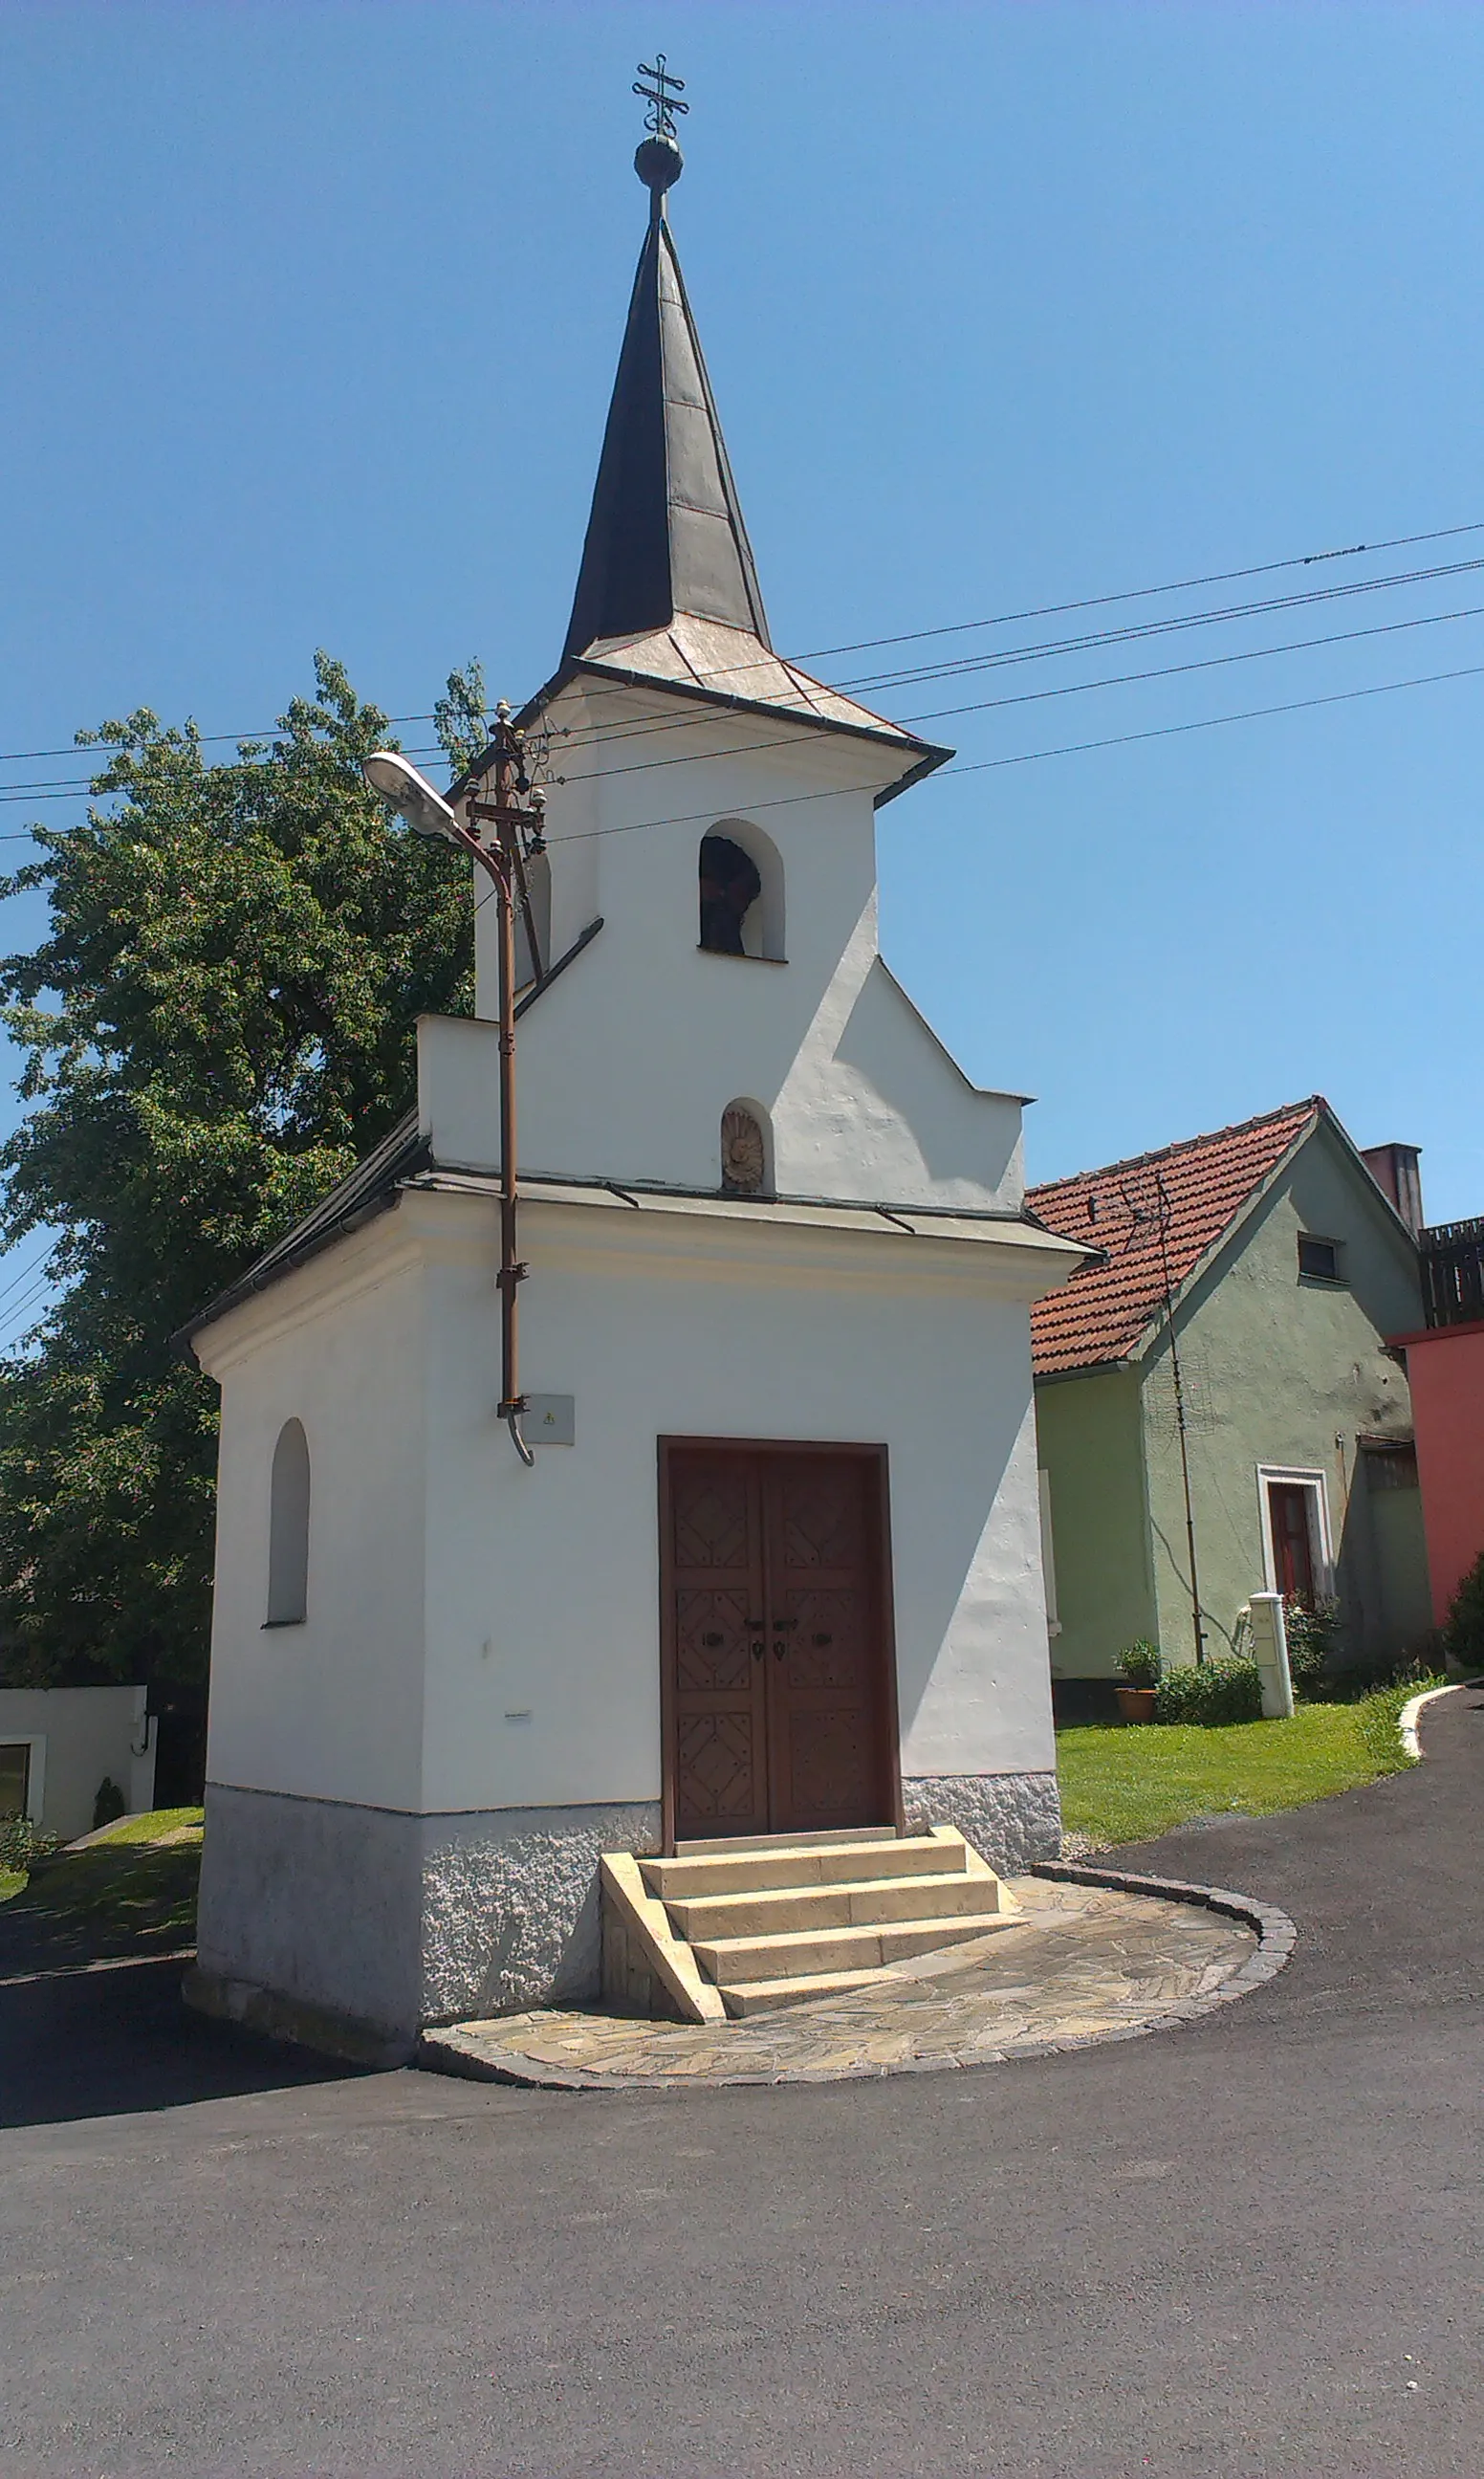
(741, 892)
(746, 1150)
(287, 1530)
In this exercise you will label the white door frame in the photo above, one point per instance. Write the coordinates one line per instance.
(1315, 1481)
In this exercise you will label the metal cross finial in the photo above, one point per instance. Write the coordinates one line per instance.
(661, 97)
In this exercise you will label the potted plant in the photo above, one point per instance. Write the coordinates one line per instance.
(1140, 1665)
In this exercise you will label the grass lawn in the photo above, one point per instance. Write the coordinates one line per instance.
(133, 1892)
(1126, 1783)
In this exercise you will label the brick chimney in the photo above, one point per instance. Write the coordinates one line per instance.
(1395, 1170)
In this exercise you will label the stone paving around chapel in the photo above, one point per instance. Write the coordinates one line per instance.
(1084, 1964)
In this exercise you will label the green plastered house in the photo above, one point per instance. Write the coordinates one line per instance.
(1217, 1413)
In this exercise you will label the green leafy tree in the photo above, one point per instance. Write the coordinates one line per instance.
(217, 1023)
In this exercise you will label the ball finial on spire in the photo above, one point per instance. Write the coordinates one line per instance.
(659, 161)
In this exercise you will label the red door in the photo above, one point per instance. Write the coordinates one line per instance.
(1288, 1505)
(779, 1704)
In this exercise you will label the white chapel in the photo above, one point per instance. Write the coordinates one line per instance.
(769, 1576)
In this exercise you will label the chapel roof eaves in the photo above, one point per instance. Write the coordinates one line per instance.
(368, 1190)
(926, 755)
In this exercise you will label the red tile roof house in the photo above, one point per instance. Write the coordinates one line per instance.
(1220, 1384)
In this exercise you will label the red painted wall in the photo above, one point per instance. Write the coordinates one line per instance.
(1445, 1376)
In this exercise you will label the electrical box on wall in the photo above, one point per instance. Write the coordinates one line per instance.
(549, 1420)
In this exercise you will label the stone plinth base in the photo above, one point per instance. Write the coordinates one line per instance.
(350, 1929)
(1012, 1820)
(315, 1911)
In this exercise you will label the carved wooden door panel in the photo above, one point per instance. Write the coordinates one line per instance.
(719, 1647)
(778, 1704)
(826, 1708)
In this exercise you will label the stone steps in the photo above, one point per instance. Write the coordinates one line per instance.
(765, 1996)
(747, 1960)
(755, 1867)
(854, 1903)
(736, 1927)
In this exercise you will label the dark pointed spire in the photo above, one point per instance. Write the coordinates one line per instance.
(666, 534)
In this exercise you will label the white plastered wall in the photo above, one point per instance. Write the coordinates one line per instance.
(332, 1708)
(77, 1737)
(543, 1674)
(627, 1062)
(482, 1636)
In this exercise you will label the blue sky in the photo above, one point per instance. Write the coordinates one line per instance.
(310, 315)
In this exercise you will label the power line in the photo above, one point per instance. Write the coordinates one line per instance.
(1035, 756)
(1070, 748)
(1146, 628)
(1130, 594)
(1072, 688)
(21, 1308)
(1205, 663)
(644, 726)
(207, 740)
(1136, 593)
(25, 1272)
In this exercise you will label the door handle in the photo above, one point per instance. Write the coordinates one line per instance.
(758, 1649)
(780, 1648)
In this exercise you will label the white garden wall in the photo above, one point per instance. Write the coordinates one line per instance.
(77, 1737)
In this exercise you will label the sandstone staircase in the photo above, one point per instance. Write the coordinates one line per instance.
(734, 1928)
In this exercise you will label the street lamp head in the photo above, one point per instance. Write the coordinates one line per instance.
(388, 771)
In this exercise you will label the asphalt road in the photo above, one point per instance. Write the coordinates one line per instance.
(1248, 2246)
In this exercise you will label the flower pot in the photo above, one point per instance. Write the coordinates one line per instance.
(1137, 1703)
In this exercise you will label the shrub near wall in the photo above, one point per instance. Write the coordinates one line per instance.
(1463, 1637)
(1314, 1644)
(22, 1844)
(1217, 1692)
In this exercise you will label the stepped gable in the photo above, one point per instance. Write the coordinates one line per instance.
(1165, 1208)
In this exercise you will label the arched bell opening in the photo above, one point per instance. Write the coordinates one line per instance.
(741, 892)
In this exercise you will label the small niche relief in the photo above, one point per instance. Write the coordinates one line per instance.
(744, 1152)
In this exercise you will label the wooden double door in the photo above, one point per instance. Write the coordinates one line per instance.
(778, 1689)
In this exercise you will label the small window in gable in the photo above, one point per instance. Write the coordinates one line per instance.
(287, 1536)
(1318, 1260)
(741, 892)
